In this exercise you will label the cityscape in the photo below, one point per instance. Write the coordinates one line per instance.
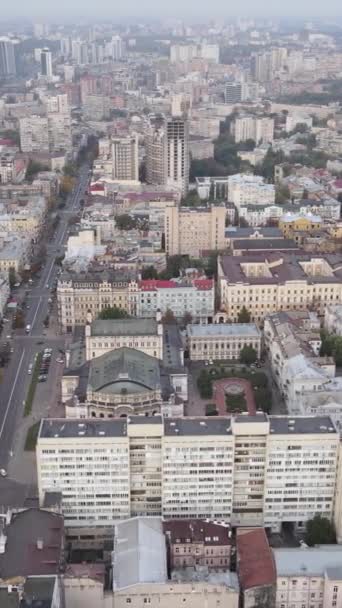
(170, 306)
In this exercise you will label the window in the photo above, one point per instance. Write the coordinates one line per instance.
(128, 600)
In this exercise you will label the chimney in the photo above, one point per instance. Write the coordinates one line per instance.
(40, 544)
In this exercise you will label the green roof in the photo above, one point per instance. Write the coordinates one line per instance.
(124, 368)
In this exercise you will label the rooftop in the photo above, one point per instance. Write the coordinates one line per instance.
(197, 530)
(255, 562)
(249, 330)
(302, 425)
(22, 556)
(265, 244)
(197, 426)
(124, 327)
(139, 552)
(312, 561)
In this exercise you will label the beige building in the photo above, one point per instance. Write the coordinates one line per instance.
(247, 470)
(144, 335)
(222, 340)
(192, 231)
(309, 577)
(268, 283)
(125, 162)
(81, 297)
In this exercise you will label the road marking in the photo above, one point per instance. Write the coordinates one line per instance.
(12, 391)
(35, 314)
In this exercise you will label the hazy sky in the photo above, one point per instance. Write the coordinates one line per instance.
(78, 9)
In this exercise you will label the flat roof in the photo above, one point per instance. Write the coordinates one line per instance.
(312, 561)
(64, 428)
(124, 327)
(224, 329)
(302, 424)
(197, 426)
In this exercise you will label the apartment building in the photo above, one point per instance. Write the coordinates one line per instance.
(268, 283)
(222, 340)
(4, 292)
(248, 470)
(196, 298)
(250, 189)
(23, 217)
(81, 297)
(177, 153)
(309, 577)
(125, 162)
(34, 134)
(193, 542)
(145, 335)
(260, 129)
(59, 131)
(192, 231)
(155, 142)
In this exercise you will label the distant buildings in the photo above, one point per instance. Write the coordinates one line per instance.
(249, 189)
(8, 65)
(46, 63)
(191, 231)
(258, 128)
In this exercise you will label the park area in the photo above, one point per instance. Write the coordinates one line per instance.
(234, 391)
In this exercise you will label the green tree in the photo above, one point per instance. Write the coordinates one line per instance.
(187, 318)
(113, 312)
(33, 168)
(204, 384)
(248, 355)
(244, 315)
(12, 277)
(149, 273)
(169, 318)
(125, 222)
(70, 169)
(319, 531)
(282, 194)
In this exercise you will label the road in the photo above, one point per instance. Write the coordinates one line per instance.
(16, 379)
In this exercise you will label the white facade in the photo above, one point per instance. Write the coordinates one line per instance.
(260, 129)
(34, 136)
(125, 163)
(197, 298)
(104, 336)
(333, 319)
(191, 467)
(222, 340)
(249, 189)
(4, 292)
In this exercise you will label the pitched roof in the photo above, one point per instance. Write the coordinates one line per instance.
(255, 562)
(122, 367)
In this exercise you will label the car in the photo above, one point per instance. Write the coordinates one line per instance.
(5, 320)
(60, 360)
(3, 472)
(9, 337)
(47, 350)
(47, 285)
(12, 350)
(42, 378)
(40, 342)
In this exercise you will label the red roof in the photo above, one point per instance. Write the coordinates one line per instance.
(338, 183)
(7, 142)
(97, 188)
(155, 284)
(255, 561)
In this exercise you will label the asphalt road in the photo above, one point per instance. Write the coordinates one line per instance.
(16, 379)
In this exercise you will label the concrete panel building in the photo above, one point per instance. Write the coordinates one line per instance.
(191, 231)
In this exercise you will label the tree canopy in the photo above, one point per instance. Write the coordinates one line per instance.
(244, 315)
(248, 355)
(113, 312)
(319, 531)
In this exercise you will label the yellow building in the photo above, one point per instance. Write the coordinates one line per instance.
(291, 223)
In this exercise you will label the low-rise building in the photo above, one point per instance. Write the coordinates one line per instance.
(197, 298)
(256, 568)
(144, 335)
(250, 189)
(222, 340)
(82, 296)
(309, 577)
(198, 542)
(268, 283)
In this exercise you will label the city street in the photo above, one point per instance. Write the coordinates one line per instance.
(16, 379)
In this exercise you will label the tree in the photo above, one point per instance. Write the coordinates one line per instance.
(18, 320)
(12, 277)
(244, 315)
(149, 273)
(33, 168)
(70, 170)
(125, 222)
(248, 355)
(66, 186)
(113, 312)
(204, 384)
(187, 318)
(282, 194)
(319, 531)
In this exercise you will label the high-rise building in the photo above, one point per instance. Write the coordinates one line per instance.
(233, 92)
(46, 63)
(114, 49)
(125, 158)
(177, 153)
(7, 57)
(155, 143)
(192, 231)
(34, 136)
(261, 65)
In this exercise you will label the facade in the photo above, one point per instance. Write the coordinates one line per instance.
(182, 468)
(196, 298)
(333, 319)
(310, 577)
(4, 292)
(201, 147)
(8, 62)
(256, 568)
(258, 128)
(267, 283)
(233, 92)
(193, 542)
(177, 153)
(249, 189)
(191, 231)
(144, 335)
(155, 141)
(125, 163)
(46, 63)
(34, 135)
(222, 341)
(81, 297)
(291, 223)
